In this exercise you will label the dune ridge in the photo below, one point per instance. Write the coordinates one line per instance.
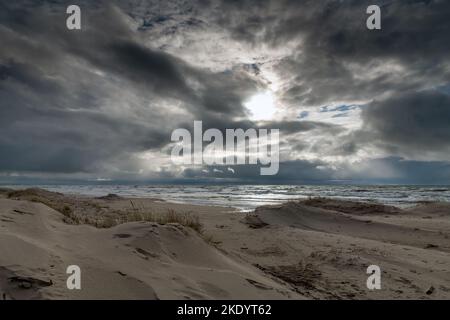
(311, 249)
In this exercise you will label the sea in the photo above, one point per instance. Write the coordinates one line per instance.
(248, 197)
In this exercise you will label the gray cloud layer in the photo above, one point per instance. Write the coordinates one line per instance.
(89, 102)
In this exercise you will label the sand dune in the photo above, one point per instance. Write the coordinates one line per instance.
(302, 216)
(138, 260)
(317, 249)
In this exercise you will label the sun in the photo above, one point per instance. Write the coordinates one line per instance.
(261, 106)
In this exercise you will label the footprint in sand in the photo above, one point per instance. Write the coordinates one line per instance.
(145, 254)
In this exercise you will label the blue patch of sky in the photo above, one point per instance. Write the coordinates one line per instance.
(304, 114)
(341, 108)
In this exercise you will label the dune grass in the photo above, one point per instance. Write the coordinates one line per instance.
(76, 212)
(170, 216)
(80, 211)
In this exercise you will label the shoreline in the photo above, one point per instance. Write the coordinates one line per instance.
(312, 249)
(248, 197)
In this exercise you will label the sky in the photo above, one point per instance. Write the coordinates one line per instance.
(99, 104)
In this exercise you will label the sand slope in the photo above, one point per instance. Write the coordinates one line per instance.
(305, 217)
(316, 249)
(137, 260)
(324, 254)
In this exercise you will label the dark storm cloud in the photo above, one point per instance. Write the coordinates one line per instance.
(107, 44)
(338, 28)
(411, 122)
(29, 76)
(337, 56)
(87, 101)
(395, 170)
(338, 59)
(52, 105)
(53, 114)
(380, 170)
(299, 171)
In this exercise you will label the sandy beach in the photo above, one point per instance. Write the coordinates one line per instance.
(153, 249)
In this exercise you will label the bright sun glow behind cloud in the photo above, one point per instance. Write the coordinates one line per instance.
(261, 106)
